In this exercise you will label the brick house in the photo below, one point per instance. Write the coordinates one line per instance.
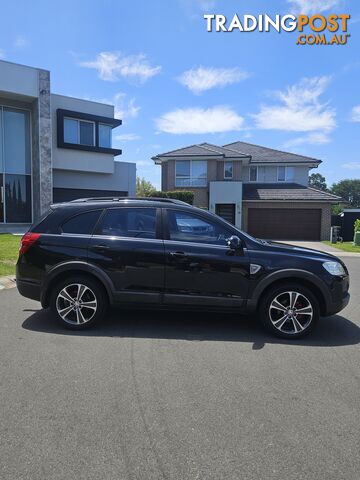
(260, 190)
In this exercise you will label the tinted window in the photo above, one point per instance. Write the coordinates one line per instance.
(130, 222)
(185, 227)
(83, 223)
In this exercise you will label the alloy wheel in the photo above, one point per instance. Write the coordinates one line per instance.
(291, 312)
(76, 304)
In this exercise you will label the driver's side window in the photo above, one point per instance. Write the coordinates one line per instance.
(186, 227)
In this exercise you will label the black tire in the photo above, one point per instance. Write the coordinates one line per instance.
(92, 294)
(288, 323)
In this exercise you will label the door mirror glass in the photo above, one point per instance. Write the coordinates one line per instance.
(234, 242)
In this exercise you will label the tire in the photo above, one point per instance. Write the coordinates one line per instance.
(279, 311)
(68, 300)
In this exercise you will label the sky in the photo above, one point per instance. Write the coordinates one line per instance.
(175, 84)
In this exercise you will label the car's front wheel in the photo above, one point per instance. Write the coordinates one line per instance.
(78, 302)
(289, 311)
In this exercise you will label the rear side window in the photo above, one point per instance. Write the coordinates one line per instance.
(83, 223)
(129, 222)
(45, 223)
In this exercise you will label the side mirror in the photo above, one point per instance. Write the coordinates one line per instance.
(234, 243)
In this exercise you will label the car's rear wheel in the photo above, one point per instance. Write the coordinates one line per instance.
(78, 302)
(289, 311)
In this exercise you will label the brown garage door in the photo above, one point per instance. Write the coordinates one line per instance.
(285, 224)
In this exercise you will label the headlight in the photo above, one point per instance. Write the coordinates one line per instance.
(334, 268)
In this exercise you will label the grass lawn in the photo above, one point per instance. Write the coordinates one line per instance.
(9, 249)
(345, 246)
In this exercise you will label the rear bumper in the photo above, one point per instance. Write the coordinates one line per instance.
(28, 289)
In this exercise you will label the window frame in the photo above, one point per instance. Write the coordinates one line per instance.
(204, 218)
(191, 176)
(286, 169)
(79, 120)
(82, 212)
(97, 232)
(61, 114)
(232, 169)
(257, 173)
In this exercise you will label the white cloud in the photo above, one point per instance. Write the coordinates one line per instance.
(317, 138)
(21, 42)
(127, 137)
(112, 66)
(2, 53)
(300, 109)
(199, 120)
(123, 107)
(200, 79)
(313, 6)
(355, 113)
(352, 165)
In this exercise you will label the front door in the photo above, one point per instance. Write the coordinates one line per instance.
(226, 211)
(128, 248)
(201, 270)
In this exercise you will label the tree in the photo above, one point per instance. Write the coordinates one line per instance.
(349, 190)
(318, 181)
(143, 187)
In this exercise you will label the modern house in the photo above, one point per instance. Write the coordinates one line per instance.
(53, 148)
(260, 190)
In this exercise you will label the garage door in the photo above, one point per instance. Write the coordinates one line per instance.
(284, 223)
(68, 194)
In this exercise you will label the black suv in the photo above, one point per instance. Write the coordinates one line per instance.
(162, 253)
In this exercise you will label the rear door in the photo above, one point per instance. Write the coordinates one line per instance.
(201, 270)
(128, 248)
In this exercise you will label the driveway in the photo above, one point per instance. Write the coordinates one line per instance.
(322, 247)
(152, 395)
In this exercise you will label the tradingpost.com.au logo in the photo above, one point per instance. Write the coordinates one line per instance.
(313, 30)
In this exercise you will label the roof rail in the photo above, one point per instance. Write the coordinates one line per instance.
(118, 199)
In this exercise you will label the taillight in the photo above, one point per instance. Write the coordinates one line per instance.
(27, 240)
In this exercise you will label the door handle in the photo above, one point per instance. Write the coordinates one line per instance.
(101, 247)
(177, 254)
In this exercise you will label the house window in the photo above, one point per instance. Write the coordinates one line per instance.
(253, 174)
(105, 135)
(80, 132)
(84, 131)
(286, 174)
(228, 170)
(190, 173)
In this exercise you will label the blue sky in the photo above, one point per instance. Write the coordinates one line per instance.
(175, 84)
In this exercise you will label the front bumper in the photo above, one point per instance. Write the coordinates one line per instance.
(335, 307)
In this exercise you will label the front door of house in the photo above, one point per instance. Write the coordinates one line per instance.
(15, 166)
(226, 211)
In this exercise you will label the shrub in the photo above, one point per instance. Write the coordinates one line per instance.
(183, 195)
(357, 225)
(158, 194)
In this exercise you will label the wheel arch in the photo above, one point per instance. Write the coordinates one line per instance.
(302, 277)
(62, 271)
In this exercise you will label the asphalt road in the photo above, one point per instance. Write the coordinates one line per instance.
(177, 396)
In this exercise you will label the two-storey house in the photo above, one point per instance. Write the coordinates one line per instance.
(260, 190)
